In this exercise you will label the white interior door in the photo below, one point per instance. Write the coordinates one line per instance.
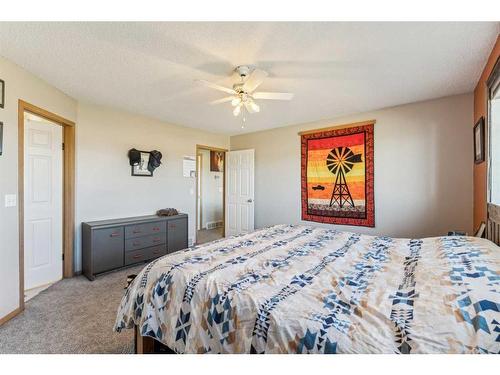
(239, 192)
(43, 203)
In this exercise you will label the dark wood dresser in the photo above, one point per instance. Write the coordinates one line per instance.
(112, 244)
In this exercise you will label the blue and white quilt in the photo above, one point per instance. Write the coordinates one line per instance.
(302, 289)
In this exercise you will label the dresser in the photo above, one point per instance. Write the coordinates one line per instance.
(112, 244)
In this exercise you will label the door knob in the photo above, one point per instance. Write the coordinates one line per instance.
(249, 200)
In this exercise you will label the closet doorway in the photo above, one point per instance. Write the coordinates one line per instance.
(210, 193)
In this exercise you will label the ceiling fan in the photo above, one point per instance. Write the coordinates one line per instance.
(243, 93)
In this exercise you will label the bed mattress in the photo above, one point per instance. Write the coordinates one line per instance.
(303, 289)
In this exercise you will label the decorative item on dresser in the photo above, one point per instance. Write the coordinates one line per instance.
(111, 244)
(167, 212)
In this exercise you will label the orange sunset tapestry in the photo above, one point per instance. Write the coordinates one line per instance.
(337, 175)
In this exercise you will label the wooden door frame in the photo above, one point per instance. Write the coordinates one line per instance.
(210, 148)
(68, 188)
(199, 168)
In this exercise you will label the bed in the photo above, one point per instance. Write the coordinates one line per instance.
(303, 289)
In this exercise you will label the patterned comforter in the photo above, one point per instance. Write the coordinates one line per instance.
(301, 289)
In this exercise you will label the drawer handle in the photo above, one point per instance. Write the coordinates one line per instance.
(114, 234)
(136, 231)
(156, 229)
(137, 256)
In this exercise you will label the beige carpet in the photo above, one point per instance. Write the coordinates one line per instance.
(72, 316)
(208, 235)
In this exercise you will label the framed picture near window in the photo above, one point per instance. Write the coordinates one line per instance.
(141, 169)
(2, 94)
(479, 141)
(216, 161)
(1, 137)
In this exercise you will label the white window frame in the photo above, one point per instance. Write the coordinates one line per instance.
(492, 85)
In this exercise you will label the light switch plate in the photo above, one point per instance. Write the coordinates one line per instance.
(10, 200)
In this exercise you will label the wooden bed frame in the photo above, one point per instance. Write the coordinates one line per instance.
(148, 345)
(143, 345)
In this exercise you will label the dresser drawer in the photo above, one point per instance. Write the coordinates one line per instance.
(108, 249)
(145, 241)
(139, 230)
(177, 234)
(136, 256)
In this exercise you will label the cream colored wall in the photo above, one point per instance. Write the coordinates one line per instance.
(105, 188)
(19, 84)
(423, 169)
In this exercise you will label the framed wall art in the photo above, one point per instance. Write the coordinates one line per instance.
(2, 94)
(141, 168)
(479, 141)
(337, 175)
(1, 137)
(216, 161)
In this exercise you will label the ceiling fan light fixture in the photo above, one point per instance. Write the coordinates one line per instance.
(237, 110)
(235, 102)
(254, 107)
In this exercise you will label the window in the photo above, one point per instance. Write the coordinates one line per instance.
(494, 135)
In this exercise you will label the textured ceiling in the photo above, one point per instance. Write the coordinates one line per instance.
(333, 68)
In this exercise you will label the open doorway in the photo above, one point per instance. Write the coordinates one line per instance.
(210, 194)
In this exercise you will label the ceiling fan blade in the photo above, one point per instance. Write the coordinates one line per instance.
(273, 95)
(223, 100)
(215, 86)
(254, 80)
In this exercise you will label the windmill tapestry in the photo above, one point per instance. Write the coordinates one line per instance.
(337, 175)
